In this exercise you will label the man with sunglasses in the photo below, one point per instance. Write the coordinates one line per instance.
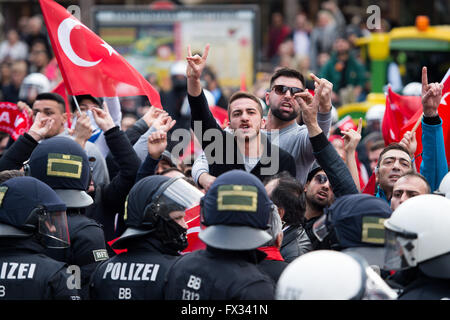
(287, 87)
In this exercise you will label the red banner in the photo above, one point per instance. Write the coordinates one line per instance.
(13, 121)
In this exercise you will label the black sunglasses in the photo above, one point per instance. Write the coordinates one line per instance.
(321, 178)
(279, 89)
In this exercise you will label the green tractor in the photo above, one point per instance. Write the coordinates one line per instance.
(411, 47)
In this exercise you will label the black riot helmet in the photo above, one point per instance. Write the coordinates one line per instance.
(149, 206)
(29, 206)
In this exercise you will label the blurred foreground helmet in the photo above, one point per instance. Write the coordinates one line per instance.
(61, 163)
(444, 187)
(354, 223)
(417, 234)
(331, 275)
(29, 206)
(148, 208)
(32, 85)
(236, 211)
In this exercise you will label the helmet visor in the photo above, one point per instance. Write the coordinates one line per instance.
(53, 226)
(178, 196)
(376, 288)
(401, 250)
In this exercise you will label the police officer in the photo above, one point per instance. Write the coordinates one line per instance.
(331, 275)
(31, 216)
(155, 234)
(62, 164)
(354, 223)
(236, 212)
(418, 241)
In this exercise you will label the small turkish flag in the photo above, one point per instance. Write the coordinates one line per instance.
(14, 121)
(88, 64)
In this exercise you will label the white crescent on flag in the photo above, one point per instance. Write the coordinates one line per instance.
(64, 30)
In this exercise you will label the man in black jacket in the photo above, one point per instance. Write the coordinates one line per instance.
(245, 147)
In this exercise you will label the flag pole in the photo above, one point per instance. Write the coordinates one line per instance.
(76, 103)
(417, 124)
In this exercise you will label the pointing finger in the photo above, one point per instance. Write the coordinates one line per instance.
(359, 126)
(314, 77)
(424, 77)
(205, 52)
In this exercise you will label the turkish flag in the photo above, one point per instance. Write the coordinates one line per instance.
(346, 123)
(221, 116)
(88, 64)
(444, 113)
(399, 110)
(14, 121)
(192, 219)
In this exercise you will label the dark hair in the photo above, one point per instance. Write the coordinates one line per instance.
(288, 73)
(412, 173)
(242, 95)
(379, 144)
(392, 146)
(289, 195)
(96, 101)
(9, 174)
(170, 169)
(282, 174)
(52, 96)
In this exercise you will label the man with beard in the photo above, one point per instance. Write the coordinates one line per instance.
(281, 126)
(244, 148)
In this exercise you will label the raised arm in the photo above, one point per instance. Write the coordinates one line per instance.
(351, 140)
(340, 178)
(434, 162)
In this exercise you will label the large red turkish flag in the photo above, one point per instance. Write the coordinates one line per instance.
(88, 64)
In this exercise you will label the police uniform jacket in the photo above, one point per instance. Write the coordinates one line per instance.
(137, 274)
(214, 274)
(27, 274)
(87, 247)
(426, 288)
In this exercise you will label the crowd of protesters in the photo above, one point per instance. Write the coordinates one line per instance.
(291, 207)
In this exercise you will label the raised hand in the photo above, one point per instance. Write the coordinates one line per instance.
(41, 126)
(352, 138)
(309, 110)
(83, 129)
(409, 142)
(196, 64)
(431, 95)
(152, 114)
(23, 106)
(103, 118)
(164, 122)
(326, 93)
(157, 141)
